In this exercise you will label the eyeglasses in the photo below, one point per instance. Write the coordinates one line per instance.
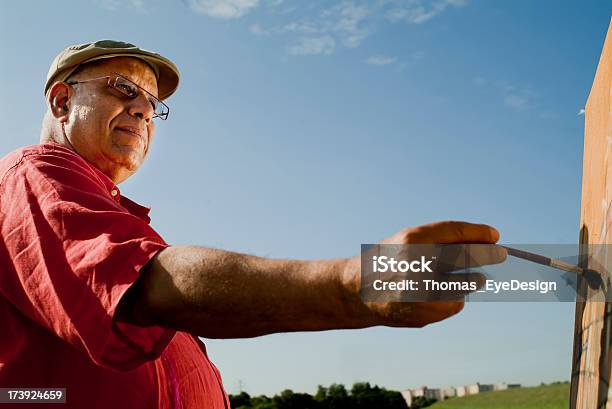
(131, 90)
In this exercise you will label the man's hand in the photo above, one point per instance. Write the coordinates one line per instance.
(220, 294)
(419, 314)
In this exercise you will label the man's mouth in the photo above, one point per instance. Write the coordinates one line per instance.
(130, 136)
(130, 129)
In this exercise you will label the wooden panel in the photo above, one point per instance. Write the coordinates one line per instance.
(592, 361)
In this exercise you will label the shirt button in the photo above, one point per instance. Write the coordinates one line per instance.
(114, 192)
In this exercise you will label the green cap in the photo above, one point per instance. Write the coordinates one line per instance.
(72, 57)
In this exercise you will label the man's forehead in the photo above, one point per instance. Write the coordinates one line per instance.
(132, 68)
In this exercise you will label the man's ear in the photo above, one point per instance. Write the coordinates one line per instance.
(58, 99)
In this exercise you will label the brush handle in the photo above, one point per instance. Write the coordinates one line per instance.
(547, 261)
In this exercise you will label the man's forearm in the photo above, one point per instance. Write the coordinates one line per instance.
(220, 294)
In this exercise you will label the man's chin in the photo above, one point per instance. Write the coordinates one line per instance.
(124, 163)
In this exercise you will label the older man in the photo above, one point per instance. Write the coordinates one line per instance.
(93, 300)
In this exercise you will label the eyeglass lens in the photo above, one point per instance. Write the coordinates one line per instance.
(132, 90)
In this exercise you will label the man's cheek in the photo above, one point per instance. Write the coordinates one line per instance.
(150, 132)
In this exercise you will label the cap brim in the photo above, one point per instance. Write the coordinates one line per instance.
(167, 73)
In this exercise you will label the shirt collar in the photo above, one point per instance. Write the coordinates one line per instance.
(135, 209)
(113, 191)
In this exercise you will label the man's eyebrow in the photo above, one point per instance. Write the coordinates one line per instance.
(128, 78)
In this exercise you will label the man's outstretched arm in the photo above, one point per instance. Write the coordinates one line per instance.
(220, 294)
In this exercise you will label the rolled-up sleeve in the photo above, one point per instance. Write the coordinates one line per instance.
(69, 253)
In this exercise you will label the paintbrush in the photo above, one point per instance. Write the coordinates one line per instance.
(593, 277)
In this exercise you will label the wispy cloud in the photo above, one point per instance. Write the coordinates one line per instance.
(301, 27)
(520, 98)
(417, 12)
(344, 22)
(223, 9)
(313, 45)
(380, 60)
(348, 20)
(351, 22)
(581, 112)
(515, 97)
(116, 4)
(516, 102)
(418, 55)
(318, 30)
(257, 30)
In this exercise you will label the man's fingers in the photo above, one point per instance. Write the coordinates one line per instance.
(475, 279)
(451, 287)
(459, 256)
(444, 257)
(427, 305)
(452, 232)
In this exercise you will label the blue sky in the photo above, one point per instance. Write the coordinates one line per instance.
(302, 129)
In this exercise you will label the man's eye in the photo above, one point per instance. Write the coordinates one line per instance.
(153, 103)
(128, 90)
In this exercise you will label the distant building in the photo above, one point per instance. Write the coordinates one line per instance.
(429, 393)
(433, 394)
(410, 394)
(477, 388)
(451, 391)
(485, 388)
(503, 386)
(472, 389)
(419, 392)
(407, 395)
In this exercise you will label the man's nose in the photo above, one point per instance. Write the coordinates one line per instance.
(141, 107)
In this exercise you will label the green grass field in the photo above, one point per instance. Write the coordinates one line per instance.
(539, 397)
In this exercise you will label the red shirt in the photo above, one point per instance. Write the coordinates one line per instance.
(71, 246)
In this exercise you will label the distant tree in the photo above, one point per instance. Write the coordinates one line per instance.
(337, 391)
(262, 402)
(394, 400)
(321, 393)
(361, 396)
(333, 397)
(290, 400)
(365, 396)
(243, 399)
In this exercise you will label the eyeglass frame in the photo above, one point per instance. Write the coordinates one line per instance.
(163, 117)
